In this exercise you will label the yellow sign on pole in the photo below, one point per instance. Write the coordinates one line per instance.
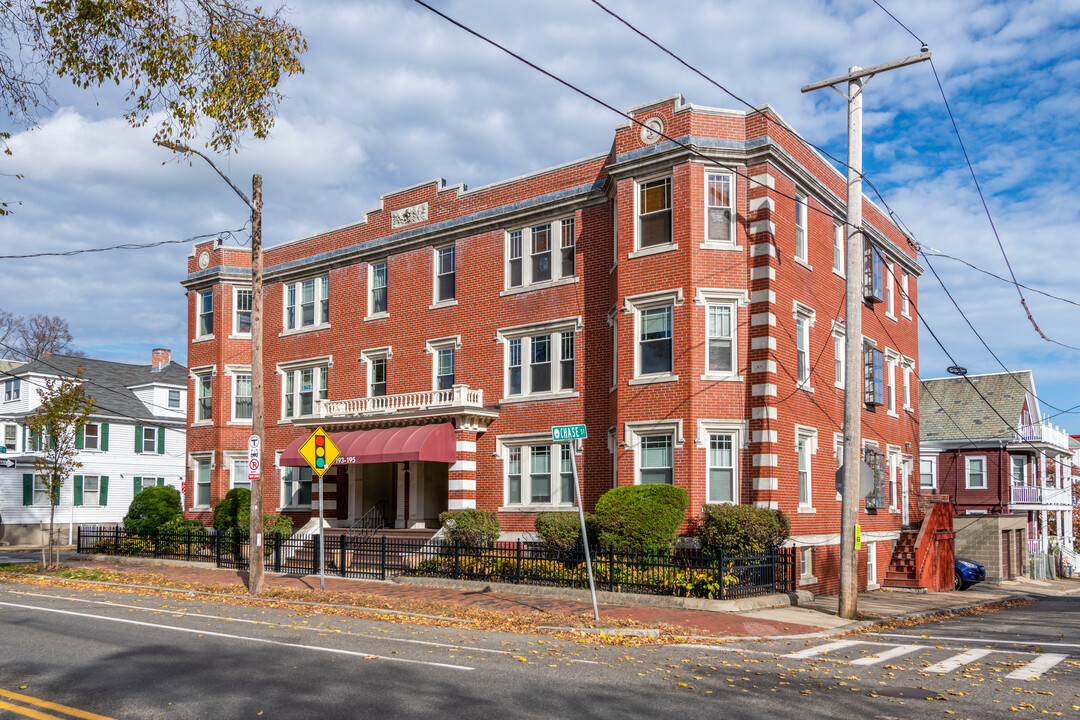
(858, 536)
(319, 451)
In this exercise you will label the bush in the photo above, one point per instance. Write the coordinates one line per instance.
(561, 531)
(152, 508)
(474, 528)
(641, 516)
(232, 516)
(742, 529)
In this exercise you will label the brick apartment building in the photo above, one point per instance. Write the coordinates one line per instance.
(687, 309)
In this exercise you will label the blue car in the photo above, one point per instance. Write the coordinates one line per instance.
(966, 573)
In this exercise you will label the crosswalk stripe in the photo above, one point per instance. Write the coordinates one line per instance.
(1036, 667)
(821, 649)
(956, 661)
(887, 654)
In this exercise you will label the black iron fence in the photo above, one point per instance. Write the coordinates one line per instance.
(680, 572)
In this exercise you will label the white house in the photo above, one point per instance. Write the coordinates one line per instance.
(136, 437)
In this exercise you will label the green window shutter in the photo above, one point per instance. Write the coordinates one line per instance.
(79, 439)
(104, 438)
(78, 490)
(160, 482)
(27, 489)
(33, 440)
(138, 486)
(138, 438)
(161, 441)
(103, 490)
(56, 500)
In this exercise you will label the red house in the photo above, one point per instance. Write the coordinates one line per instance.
(682, 300)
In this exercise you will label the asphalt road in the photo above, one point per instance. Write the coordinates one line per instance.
(121, 655)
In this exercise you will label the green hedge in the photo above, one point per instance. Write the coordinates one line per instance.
(232, 515)
(561, 531)
(152, 508)
(471, 527)
(641, 516)
(742, 529)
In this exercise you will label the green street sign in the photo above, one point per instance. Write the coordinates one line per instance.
(3, 450)
(562, 433)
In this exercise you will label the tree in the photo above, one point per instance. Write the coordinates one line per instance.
(41, 335)
(9, 331)
(54, 425)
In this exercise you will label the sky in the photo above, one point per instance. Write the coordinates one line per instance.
(394, 95)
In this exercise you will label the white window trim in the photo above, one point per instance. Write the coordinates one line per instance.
(838, 457)
(654, 249)
(199, 335)
(839, 354)
(196, 374)
(435, 301)
(807, 313)
(236, 334)
(804, 207)
(893, 463)
(722, 296)
(1012, 466)
(16, 394)
(806, 566)
(555, 328)
(433, 347)
(299, 329)
(890, 290)
(194, 458)
(707, 244)
(232, 371)
(613, 321)
(740, 432)
(871, 566)
(633, 432)
(967, 472)
(905, 299)
(839, 229)
(557, 278)
(371, 290)
(635, 304)
(810, 436)
(322, 363)
(229, 459)
(892, 359)
(281, 486)
(932, 459)
(504, 442)
(368, 357)
(908, 366)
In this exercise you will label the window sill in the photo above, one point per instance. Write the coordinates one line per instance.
(721, 377)
(200, 508)
(202, 338)
(803, 262)
(542, 507)
(654, 250)
(890, 316)
(872, 586)
(305, 329)
(539, 396)
(839, 274)
(203, 423)
(805, 387)
(808, 580)
(377, 316)
(892, 414)
(807, 510)
(539, 286)
(839, 386)
(653, 379)
(246, 423)
(720, 246)
(894, 511)
(295, 508)
(906, 316)
(240, 336)
(443, 304)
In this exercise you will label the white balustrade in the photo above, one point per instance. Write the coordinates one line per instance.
(456, 396)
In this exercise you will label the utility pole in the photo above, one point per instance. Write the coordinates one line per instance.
(256, 562)
(856, 78)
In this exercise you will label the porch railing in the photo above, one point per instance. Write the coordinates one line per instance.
(1044, 432)
(1036, 495)
(456, 396)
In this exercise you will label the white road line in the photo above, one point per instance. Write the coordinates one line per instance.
(1036, 667)
(981, 641)
(887, 654)
(947, 666)
(237, 637)
(821, 649)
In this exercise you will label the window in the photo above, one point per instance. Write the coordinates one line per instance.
(804, 320)
(204, 404)
(655, 349)
(720, 336)
(540, 358)
(656, 460)
(529, 475)
(445, 274)
(905, 301)
(873, 376)
(840, 354)
(91, 490)
(377, 369)
(541, 266)
(239, 474)
(242, 311)
(800, 227)
(654, 213)
(838, 241)
(976, 472)
(41, 492)
(11, 434)
(242, 397)
(890, 300)
(806, 565)
(149, 437)
(444, 368)
(377, 281)
(873, 274)
(206, 313)
(1019, 470)
(891, 380)
(174, 399)
(296, 487)
(871, 563)
(722, 473)
(805, 447)
(927, 473)
(719, 206)
(307, 303)
(202, 483)
(303, 386)
(91, 436)
(12, 389)
(894, 471)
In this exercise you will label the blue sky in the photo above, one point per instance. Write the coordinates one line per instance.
(394, 95)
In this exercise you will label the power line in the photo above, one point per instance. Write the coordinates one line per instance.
(223, 235)
(923, 250)
(885, 10)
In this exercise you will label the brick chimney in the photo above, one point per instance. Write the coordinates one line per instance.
(160, 357)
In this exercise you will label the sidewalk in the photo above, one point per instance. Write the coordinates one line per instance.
(815, 617)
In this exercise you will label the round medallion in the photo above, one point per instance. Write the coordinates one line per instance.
(650, 133)
(204, 260)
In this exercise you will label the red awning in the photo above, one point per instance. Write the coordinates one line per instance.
(400, 444)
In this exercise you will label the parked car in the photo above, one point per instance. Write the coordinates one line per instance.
(966, 573)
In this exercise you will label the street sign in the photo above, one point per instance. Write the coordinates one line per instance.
(866, 479)
(254, 463)
(319, 452)
(561, 433)
(3, 450)
(858, 536)
(7, 463)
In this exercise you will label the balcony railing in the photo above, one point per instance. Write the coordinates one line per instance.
(1045, 433)
(1025, 495)
(456, 396)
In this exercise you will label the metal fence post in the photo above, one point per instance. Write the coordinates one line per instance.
(116, 540)
(720, 572)
(454, 571)
(611, 568)
(341, 557)
(517, 570)
(382, 559)
(278, 541)
(78, 539)
(217, 549)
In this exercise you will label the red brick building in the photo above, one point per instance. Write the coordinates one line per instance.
(685, 304)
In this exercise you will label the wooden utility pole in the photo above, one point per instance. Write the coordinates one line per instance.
(856, 78)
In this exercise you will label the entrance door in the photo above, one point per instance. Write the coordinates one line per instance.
(904, 509)
(1006, 555)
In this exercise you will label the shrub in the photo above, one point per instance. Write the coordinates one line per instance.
(153, 507)
(474, 528)
(232, 516)
(641, 516)
(561, 531)
(742, 529)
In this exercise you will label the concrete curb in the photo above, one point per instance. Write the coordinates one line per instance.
(125, 560)
(762, 602)
(630, 632)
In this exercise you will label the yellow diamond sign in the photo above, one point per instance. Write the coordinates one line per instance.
(319, 451)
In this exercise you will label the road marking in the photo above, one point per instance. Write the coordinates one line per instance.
(210, 633)
(887, 654)
(1036, 667)
(982, 641)
(74, 712)
(946, 666)
(821, 649)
